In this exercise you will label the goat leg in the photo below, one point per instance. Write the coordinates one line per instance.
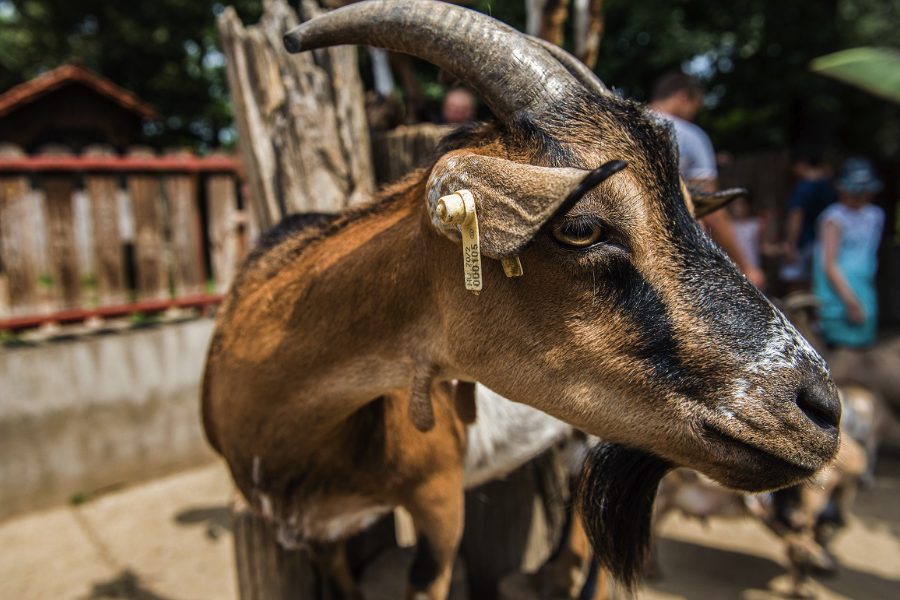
(799, 554)
(331, 558)
(437, 511)
(566, 573)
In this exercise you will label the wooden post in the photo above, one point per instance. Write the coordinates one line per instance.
(64, 270)
(588, 29)
(265, 570)
(146, 196)
(302, 132)
(513, 524)
(221, 214)
(109, 264)
(401, 151)
(184, 226)
(17, 237)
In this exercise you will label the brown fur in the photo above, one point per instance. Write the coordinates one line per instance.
(644, 340)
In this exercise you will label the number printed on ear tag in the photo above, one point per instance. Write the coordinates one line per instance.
(459, 208)
(471, 244)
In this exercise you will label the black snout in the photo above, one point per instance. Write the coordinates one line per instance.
(819, 401)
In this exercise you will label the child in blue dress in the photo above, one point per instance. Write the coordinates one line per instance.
(846, 257)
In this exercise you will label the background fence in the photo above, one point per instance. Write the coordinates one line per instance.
(103, 235)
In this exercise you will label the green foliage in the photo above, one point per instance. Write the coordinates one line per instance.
(78, 498)
(753, 56)
(10, 338)
(165, 51)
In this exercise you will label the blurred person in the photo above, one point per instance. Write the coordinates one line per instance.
(746, 229)
(678, 98)
(846, 257)
(811, 196)
(459, 107)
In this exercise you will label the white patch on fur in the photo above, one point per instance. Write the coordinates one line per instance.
(324, 522)
(341, 527)
(785, 349)
(506, 435)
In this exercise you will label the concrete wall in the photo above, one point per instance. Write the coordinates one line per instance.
(99, 411)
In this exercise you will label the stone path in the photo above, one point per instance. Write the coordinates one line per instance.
(170, 539)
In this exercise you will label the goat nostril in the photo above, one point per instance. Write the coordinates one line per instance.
(821, 405)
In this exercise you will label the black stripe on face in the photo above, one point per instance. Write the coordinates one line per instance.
(735, 312)
(626, 291)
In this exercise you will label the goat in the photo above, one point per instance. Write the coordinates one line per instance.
(327, 387)
(796, 514)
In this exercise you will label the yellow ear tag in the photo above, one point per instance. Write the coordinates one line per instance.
(459, 209)
(512, 266)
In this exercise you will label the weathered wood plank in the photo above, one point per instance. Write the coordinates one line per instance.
(109, 260)
(399, 152)
(514, 524)
(221, 214)
(265, 570)
(17, 238)
(301, 124)
(64, 270)
(185, 230)
(145, 192)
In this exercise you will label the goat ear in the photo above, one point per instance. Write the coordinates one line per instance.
(707, 202)
(514, 201)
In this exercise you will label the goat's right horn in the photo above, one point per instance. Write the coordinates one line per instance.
(515, 77)
(573, 65)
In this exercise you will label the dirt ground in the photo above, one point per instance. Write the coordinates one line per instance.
(170, 539)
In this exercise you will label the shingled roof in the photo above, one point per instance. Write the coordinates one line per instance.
(48, 82)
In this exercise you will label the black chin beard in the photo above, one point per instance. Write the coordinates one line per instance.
(615, 500)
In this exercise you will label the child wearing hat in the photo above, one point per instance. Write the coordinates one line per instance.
(846, 257)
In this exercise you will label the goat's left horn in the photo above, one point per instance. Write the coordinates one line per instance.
(515, 77)
(708, 202)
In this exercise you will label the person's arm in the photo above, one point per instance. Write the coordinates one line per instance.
(831, 239)
(718, 224)
(703, 176)
(792, 233)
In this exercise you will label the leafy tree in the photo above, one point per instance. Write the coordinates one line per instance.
(164, 51)
(753, 56)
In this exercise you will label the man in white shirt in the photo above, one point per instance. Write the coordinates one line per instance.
(678, 98)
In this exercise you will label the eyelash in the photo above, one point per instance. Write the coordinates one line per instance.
(584, 227)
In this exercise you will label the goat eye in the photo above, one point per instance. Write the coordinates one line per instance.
(580, 233)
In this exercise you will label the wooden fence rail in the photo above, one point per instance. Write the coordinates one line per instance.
(102, 235)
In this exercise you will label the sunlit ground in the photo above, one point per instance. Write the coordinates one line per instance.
(171, 540)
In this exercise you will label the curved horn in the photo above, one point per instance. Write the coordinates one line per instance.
(515, 78)
(708, 202)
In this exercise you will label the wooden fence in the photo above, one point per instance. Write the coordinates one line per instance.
(767, 175)
(102, 235)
